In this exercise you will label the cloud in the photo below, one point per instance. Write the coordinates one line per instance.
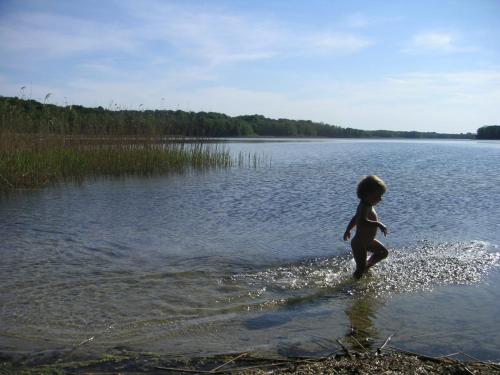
(210, 37)
(217, 37)
(358, 20)
(51, 36)
(436, 41)
(452, 102)
(194, 35)
(338, 43)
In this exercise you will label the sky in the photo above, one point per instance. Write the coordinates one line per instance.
(366, 64)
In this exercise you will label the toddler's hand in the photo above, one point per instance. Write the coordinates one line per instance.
(347, 235)
(383, 229)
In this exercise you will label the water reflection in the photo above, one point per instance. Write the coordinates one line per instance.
(362, 313)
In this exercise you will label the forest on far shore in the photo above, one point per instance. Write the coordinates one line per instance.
(489, 132)
(30, 116)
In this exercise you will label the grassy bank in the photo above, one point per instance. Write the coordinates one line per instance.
(33, 161)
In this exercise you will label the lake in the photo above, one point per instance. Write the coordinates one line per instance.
(252, 259)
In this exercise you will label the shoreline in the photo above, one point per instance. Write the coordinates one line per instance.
(342, 361)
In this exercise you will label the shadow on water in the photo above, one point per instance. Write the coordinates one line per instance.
(267, 321)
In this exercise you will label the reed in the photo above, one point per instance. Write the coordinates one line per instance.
(33, 161)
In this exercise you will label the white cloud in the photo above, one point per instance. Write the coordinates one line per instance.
(338, 43)
(436, 41)
(217, 39)
(452, 102)
(49, 36)
(195, 35)
(357, 20)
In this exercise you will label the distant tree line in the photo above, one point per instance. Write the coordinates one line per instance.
(30, 116)
(489, 132)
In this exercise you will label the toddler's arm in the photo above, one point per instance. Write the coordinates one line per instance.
(363, 212)
(352, 224)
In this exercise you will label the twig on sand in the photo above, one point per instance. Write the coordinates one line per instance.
(280, 363)
(219, 370)
(361, 345)
(91, 338)
(238, 369)
(494, 365)
(7, 181)
(178, 369)
(324, 339)
(344, 348)
(449, 355)
(420, 356)
(471, 357)
(379, 350)
(228, 362)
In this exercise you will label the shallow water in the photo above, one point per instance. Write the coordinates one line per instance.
(252, 259)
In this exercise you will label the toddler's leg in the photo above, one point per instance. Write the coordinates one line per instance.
(359, 253)
(379, 253)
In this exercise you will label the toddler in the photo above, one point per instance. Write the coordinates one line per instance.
(370, 191)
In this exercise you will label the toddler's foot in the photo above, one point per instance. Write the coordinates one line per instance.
(369, 264)
(357, 274)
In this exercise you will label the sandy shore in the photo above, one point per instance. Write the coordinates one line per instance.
(387, 363)
(343, 362)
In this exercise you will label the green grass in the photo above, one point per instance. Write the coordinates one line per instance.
(33, 162)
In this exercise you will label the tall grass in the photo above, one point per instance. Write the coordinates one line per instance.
(32, 161)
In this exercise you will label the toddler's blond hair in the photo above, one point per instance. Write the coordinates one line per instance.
(370, 184)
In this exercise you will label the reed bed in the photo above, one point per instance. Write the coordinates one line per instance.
(33, 161)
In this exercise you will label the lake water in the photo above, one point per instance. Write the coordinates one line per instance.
(252, 259)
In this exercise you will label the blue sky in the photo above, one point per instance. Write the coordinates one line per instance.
(398, 65)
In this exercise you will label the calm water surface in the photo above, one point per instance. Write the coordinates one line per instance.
(252, 259)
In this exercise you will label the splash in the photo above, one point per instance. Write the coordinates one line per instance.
(422, 267)
(431, 265)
